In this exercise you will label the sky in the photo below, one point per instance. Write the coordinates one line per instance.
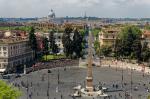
(76, 8)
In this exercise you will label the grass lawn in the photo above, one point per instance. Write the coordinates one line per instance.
(50, 57)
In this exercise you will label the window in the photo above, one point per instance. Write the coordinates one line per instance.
(22, 61)
(5, 53)
(106, 36)
(59, 37)
(4, 48)
(4, 66)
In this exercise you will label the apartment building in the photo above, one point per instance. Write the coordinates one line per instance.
(108, 36)
(14, 53)
(146, 37)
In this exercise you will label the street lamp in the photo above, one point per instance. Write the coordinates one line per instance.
(27, 86)
(48, 84)
(122, 78)
(99, 53)
(131, 81)
(58, 75)
(142, 43)
(25, 69)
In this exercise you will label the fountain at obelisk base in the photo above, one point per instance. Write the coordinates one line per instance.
(89, 90)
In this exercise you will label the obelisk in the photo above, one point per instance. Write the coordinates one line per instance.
(89, 78)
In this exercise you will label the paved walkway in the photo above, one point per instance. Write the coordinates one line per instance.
(119, 64)
(70, 77)
(125, 65)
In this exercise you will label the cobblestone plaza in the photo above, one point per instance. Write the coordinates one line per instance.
(62, 80)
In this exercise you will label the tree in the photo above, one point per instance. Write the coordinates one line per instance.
(55, 48)
(145, 55)
(45, 46)
(33, 41)
(53, 45)
(96, 43)
(96, 32)
(128, 42)
(118, 48)
(8, 91)
(136, 47)
(148, 97)
(67, 42)
(77, 43)
(97, 47)
(51, 39)
(105, 50)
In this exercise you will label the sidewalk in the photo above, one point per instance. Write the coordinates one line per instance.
(125, 65)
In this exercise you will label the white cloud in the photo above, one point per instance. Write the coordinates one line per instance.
(102, 8)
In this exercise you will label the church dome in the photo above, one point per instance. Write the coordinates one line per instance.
(51, 14)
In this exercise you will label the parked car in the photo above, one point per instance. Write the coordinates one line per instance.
(6, 76)
(17, 76)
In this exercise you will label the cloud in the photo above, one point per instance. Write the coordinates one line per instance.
(101, 8)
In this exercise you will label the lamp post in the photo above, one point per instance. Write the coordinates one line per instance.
(142, 43)
(27, 86)
(131, 81)
(143, 69)
(99, 53)
(58, 76)
(48, 85)
(122, 78)
(25, 69)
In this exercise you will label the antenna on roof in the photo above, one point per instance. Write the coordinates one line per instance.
(85, 16)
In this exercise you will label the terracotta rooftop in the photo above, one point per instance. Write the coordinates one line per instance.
(10, 40)
(146, 34)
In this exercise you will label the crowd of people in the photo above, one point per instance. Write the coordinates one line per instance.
(53, 64)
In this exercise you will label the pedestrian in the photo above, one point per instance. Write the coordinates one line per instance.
(61, 96)
(65, 69)
(113, 85)
(37, 94)
(31, 84)
(30, 96)
(116, 86)
(120, 95)
(73, 97)
(115, 97)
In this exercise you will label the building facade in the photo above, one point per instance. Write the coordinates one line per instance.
(108, 37)
(146, 37)
(58, 40)
(14, 54)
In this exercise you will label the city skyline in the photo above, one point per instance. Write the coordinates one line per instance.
(76, 8)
